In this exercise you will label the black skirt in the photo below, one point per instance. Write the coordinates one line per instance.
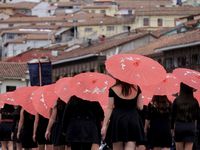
(184, 131)
(27, 139)
(159, 134)
(41, 129)
(57, 135)
(82, 130)
(125, 125)
(5, 131)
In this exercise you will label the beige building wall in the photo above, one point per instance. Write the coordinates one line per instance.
(56, 1)
(109, 11)
(167, 21)
(94, 32)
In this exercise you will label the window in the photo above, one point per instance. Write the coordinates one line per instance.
(182, 61)
(92, 70)
(14, 52)
(169, 63)
(53, 23)
(102, 11)
(10, 25)
(146, 22)
(190, 18)
(126, 28)
(195, 59)
(102, 68)
(88, 29)
(110, 28)
(130, 12)
(92, 11)
(159, 61)
(10, 36)
(160, 22)
(10, 88)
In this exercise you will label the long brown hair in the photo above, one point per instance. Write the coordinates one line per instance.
(186, 104)
(126, 87)
(162, 103)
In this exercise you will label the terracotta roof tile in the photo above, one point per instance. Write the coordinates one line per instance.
(70, 3)
(27, 37)
(84, 19)
(20, 5)
(13, 70)
(159, 11)
(124, 4)
(168, 41)
(100, 47)
(97, 7)
(37, 53)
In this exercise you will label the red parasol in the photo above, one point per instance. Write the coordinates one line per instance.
(44, 98)
(188, 76)
(7, 98)
(135, 69)
(92, 86)
(197, 96)
(63, 88)
(170, 85)
(22, 97)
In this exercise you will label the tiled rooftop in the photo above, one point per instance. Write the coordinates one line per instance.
(13, 70)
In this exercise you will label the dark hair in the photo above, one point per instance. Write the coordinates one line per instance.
(186, 90)
(186, 104)
(162, 103)
(126, 87)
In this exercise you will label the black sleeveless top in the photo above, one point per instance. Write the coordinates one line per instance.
(123, 103)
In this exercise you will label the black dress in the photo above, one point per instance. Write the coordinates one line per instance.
(58, 138)
(6, 122)
(82, 122)
(125, 122)
(16, 117)
(27, 131)
(185, 127)
(159, 133)
(143, 114)
(41, 129)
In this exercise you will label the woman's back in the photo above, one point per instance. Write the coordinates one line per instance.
(185, 110)
(123, 101)
(185, 106)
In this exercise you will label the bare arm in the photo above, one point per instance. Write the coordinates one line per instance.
(109, 110)
(140, 102)
(146, 125)
(51, 122)
(21, 122)
(35, 126)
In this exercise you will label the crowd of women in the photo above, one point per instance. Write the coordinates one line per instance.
(126, 124)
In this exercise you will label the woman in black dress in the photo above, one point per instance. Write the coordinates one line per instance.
(40, 126)
(185, 114)
(159, 123)
(54, 128)
(6, 123)
(16, 116)
(82, 124)
(122, 125)
(25, 130)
